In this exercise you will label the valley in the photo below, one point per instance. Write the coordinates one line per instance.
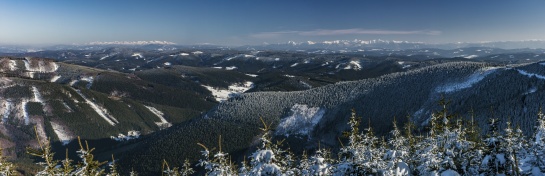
(135, 102)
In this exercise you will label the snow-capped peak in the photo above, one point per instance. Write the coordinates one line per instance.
(156, 42)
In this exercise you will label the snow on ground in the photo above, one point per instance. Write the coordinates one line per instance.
(12, 65)
(252, 75)
(293, 65)
(356, 65)
(248, 56)
(289, 76)
(37, 96)
(43, 66)
(6, 108)
(24, 112)
(235, 89)
(471, 56)
(101, 111)
(89, 79)
(530, 74)
(167, 63)
(163, 122)
(301, 121)
(55, 78)
(68, 107)
(475, 78)
(137, 55)
(308, 86)
(184, 54)
(130, 135)
(197, 52)
(61, 133)
(231, 68)
(104, 57)
(325, 63)
(218, 67)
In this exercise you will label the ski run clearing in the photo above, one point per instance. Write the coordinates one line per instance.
(101, 111)
(163, 123)
(470, 81)
(522, 72)
(302, 120)
(63, 135)
(224, 94)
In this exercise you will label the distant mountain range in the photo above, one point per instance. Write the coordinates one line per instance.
(343, 45)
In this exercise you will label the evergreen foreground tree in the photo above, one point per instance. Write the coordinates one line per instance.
(6, 168)
(449, 148)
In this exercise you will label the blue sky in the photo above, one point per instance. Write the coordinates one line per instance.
(238, 22)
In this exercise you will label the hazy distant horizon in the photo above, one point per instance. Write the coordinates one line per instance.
(240, 22)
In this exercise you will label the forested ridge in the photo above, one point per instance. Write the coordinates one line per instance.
(451, 146)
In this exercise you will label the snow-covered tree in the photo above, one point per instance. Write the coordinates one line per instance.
(494, 161)
(361, 156)
(219, 164)
(537, 146)
(397, 156)
(88, 166)
(264, 160)
(44, 152)
(320, 163)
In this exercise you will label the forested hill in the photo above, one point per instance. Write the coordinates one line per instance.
(320, 115)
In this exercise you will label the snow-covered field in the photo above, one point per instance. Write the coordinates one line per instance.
(224, 94)
(302, 120)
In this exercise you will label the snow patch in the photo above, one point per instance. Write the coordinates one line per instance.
(137, 55)
(522, 72)
(184, 54)
(163, 122)
(252, 75)
(471, 56)
(197, 52)
(101, 111)
(293, 65)
(24, 112)
(130, 135)
(6, 109)
(231, 68)
(12, 65)
(302, 120)
(233, 90)
(167, 64)
(37, 96)
(470, 81)
(61, 133)
(355, 65)
(289, 76)
(40, 65)
(55, 78)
